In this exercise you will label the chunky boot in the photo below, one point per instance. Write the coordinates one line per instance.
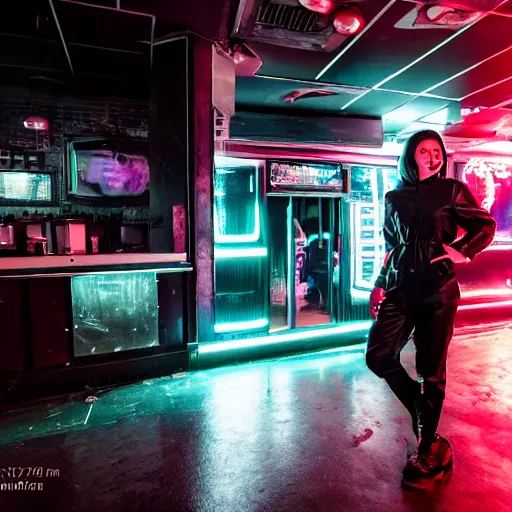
(425, 470)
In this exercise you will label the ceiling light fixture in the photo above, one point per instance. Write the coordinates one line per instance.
(348, 21)
(320, 6)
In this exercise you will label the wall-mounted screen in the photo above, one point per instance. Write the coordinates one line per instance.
(26, 187)
(236, 200)
(306, 176)
(99, 169)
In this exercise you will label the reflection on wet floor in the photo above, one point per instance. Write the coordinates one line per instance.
(309, 432)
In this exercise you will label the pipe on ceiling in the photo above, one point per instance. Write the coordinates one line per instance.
(61, 35)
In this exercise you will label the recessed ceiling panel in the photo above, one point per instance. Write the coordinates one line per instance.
(490, 97)
(377, 103)
(26, 53)
(103, 27)
(285, 62)
(488, 73)
(93, 61)
(384, 50)
(488, 37)
(418, 108)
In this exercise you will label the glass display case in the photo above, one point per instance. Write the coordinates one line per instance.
(114, 312)
(25, 187)
(241, 256)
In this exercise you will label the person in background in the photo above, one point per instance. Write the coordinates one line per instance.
(317, 266)
(417, 291)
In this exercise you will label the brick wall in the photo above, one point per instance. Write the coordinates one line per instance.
(68, 117)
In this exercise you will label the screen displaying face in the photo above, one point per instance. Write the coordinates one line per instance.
(103, 172)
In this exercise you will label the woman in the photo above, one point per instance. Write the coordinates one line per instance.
(418, 291)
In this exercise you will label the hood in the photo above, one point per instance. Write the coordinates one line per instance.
(407, 164)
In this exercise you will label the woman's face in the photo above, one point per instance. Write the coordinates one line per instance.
(429, 157)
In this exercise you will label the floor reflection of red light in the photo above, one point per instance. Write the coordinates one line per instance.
(486, 305)
(487, 292)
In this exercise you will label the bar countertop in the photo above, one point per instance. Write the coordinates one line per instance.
(70, 265)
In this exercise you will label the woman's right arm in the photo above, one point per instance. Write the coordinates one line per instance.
(478, 223)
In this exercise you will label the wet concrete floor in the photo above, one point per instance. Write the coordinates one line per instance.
(305, 433)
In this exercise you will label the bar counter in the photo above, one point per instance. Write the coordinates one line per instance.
(71, 265)
(90, 320)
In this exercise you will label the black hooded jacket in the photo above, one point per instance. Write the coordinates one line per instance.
(422, 216)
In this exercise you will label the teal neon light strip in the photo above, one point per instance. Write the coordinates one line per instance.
(419, 59)
(241, 326)
(283, 338)
(240, 253)
(250, 237)
(326, 236)
(223, 165)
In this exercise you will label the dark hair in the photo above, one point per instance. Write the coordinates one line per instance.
(407, 165)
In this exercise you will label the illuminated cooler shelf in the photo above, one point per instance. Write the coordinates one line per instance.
(240, 258)
(240, 297)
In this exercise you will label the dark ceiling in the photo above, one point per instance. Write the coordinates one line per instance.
(406, 73)
(97, 47)
(102, 46)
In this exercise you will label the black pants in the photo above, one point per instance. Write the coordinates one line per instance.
(432, 320)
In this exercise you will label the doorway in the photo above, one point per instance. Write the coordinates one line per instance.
(303, 258)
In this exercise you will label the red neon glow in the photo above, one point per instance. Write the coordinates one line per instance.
(36, 123)
(321, 6)
(348, 21)
(486, 305)
(486, 292)
(490, 179)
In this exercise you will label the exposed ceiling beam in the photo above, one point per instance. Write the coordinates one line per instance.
(153, 23)
(106, 8)
(426, 95)
(61, 35)
(19, 66)
(108, 49)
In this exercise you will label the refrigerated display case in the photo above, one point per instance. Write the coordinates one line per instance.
(368, 187)
(240, 252)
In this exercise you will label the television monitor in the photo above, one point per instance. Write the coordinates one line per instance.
(101, 168)
(25, 187)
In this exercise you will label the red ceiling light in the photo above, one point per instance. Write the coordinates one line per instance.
(321, 6)
(36, 123)
(348, 21)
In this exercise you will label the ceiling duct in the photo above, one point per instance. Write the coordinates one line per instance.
(286, 23)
